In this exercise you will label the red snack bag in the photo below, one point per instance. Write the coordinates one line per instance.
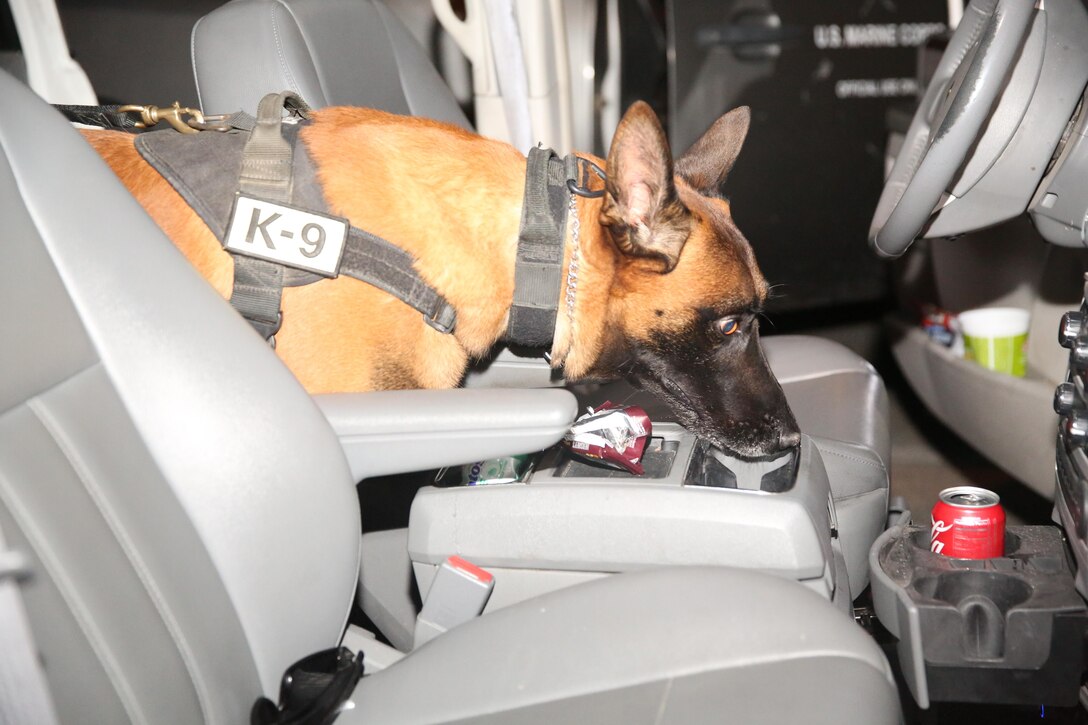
(616, 435)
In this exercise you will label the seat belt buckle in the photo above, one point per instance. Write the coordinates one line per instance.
(459, 592)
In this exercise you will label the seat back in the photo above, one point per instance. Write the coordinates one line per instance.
(164, 473)
(330, 52)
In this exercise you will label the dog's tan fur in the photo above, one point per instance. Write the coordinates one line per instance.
(453, 200)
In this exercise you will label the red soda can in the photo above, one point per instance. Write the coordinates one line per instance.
(968, 523)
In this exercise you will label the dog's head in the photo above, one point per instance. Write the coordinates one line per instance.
(682, 317)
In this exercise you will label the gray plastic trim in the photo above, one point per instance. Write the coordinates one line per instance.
(1059, 208)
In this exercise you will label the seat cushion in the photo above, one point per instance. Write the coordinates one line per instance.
(676, 645)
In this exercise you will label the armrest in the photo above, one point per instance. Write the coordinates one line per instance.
(414, 430)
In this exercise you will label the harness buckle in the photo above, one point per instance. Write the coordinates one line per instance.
(444, 320)
(175, 115)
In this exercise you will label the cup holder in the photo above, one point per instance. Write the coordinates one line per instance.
(921, 540)
(983, 599)
(1004, 590)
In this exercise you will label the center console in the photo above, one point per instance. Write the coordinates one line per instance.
(569, 521)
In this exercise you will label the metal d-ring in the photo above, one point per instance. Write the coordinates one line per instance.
(587, 166)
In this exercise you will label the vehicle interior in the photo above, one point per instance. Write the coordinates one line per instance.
(183, 527)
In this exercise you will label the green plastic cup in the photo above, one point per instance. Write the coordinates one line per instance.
(996, 338)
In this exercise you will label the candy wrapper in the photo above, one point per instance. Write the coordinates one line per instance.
(942, 327)
(508, 469)
(611, 434)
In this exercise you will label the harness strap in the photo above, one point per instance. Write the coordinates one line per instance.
(266, 173)
(373, 260)
(268, 165)
(538, 272)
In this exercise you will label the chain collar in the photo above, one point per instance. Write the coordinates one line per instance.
(572, 268)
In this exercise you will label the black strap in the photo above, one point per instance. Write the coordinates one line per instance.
(313, 690)
(373, 260)
(266, 173)
(538, 271)
(109, 117)
(101, 116)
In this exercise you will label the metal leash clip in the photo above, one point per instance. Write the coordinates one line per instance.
(175, 115)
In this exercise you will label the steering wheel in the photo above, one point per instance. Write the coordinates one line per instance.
(949, 120)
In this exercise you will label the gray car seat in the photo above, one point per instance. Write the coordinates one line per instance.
(191, 526)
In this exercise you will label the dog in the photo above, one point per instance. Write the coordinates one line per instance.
(668, 290)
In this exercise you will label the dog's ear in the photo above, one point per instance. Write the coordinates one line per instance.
(641, 210)
(706, 164)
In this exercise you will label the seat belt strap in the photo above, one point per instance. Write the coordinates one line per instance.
(266, 173)
(24, 693)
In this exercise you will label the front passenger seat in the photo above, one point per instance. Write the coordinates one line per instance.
(191, 526)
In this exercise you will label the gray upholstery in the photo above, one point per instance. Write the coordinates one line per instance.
(726, 645)
(168, 476)
(833, 393)
(330, 52)
(840, 400)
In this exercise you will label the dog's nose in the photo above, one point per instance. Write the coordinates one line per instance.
(789, 439)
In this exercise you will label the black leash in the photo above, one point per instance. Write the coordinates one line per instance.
(108, 117)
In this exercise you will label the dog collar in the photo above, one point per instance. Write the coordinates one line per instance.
(551, 184)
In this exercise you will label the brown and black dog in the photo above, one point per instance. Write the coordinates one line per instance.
(668, 290)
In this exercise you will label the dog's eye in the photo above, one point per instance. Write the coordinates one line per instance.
(727, 326)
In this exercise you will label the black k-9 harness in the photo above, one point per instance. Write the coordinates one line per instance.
(256, 189)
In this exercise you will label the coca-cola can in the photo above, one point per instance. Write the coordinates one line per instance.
(968, 523)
